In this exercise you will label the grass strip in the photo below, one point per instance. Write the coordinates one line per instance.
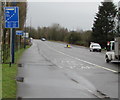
(9, 86)
(0, 81)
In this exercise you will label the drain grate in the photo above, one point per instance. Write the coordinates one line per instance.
(19, 65)
(19, 98)
(20, 79)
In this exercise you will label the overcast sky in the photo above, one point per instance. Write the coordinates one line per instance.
(72, 15)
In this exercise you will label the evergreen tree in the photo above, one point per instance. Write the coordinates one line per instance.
(118, 19)
(104, 24)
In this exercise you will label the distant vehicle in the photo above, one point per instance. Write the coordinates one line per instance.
(67, 46)
(95, 47)
(113, 51)
(31, 41)
(43, 39)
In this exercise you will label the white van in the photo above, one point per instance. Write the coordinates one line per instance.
(95, 47)
(113, 51)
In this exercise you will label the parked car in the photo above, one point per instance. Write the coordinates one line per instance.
(95, 47)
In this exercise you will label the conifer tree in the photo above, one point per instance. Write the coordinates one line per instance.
(104, 24)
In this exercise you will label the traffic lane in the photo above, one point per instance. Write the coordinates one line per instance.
(98, 76)
(43, 79)
(84, 54)
(102, 80)
(48, 82)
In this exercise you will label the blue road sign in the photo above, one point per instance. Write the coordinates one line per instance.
(19, 32)
(11, 17)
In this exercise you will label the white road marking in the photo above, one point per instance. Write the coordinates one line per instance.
(81, 60)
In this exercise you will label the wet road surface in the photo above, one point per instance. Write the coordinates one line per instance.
(52, 71)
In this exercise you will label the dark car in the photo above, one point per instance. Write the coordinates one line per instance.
(43, 39)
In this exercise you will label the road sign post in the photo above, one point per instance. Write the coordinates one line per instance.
(11, 21)
(12, 31)
(19, 33)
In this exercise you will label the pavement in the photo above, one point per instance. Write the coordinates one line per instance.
(50, 73)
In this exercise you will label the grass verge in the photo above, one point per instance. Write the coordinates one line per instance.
(9, 86)
(0, 81)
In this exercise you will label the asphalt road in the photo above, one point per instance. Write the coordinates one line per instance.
(53, 71)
